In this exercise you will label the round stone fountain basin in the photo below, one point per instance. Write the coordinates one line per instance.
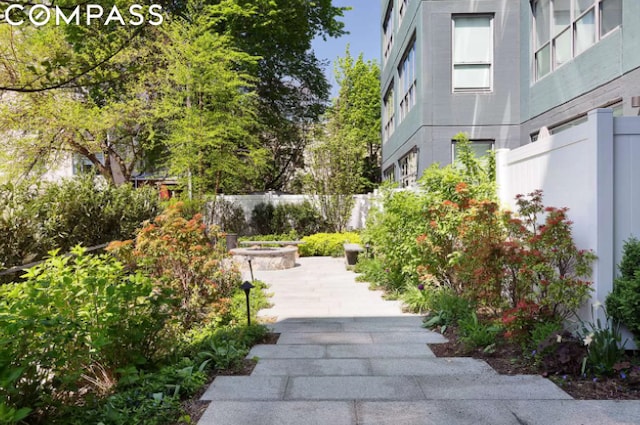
(265, 258)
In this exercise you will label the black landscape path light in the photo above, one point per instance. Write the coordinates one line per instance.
(246, 287)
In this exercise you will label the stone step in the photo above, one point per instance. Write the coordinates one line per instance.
(389, 388)
(339, 351)
(429, 412)
(371, 367)
(425, 337)
(350, 324)
(490, 387)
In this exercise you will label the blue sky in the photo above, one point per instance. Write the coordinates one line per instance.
(363, 25)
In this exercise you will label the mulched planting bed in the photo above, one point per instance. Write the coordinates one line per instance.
(508, 359)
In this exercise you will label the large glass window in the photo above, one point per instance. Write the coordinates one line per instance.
(610, 15)
(565, 28)
(407, 81)
(585, 32)
(402, 9)
(541, 16)
(409, 169)
(472, 52)
(389, 175)
(387, 33)
(388, 114)
(480, 149)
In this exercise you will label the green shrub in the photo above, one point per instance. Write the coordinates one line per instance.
(22, 239)
(38, 218)
(541, 332)
(327, 244)
(604, 343)
(414, 233)
(74, 316)
(79, 212)
(416, 299)
(304, 219)
(623, 303)
(447, 308)
(291, 236)
(476, 334)
(226, 215)
(262, 219)
(178, 254)
(142, 397)
(226, 348)
(237, 312)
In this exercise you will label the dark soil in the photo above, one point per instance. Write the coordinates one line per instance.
(508, 359)
(194, 407)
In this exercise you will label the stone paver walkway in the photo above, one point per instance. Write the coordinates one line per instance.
(346, 356)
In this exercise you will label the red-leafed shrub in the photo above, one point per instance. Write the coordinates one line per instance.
(184, 256)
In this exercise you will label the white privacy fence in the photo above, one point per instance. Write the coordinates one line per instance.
(593, 170)
(359, 212)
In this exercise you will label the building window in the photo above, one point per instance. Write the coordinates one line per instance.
(407, 78)
(388, 114)
(565, 28)
(387, 33)
(82, 165)
(610, 16)
(480, 148)
(409, 168)
(472, 53)
(402, 9)
(389, 175)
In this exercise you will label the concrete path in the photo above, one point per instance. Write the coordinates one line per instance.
(346, 356)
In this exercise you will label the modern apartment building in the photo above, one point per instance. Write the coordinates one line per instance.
(501, 71)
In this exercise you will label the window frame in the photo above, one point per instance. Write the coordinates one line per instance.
(407, 177)
(388, 113)
(408, 92)
(403, 5)
(389, 174)
(388, 30)
(472, 141)
(490, 63)
(575, 18)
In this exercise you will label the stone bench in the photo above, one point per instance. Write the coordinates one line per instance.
(351, 252)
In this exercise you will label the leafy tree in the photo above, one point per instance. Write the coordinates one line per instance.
(210, 102)
(334, 175)
(344, 160)
(94, 90)
(291, 87)
(110, 123)
(356, 114)
(48, 57)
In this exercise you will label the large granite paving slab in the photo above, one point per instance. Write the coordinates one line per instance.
(312, 367)
(246, 388)
(279, 413)
(325, 338)
(584, 412)
(409, 337)
(429, 367)
(435, 412)
(282, 351)
(379, 350)
(489, 387)
(353, 388)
